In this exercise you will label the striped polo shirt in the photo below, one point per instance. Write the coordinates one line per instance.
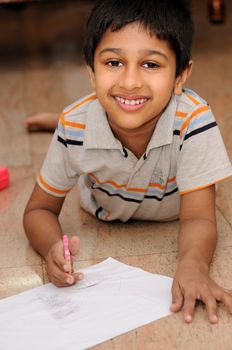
(185, 153)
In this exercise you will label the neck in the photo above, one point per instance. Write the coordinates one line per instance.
(136, 140)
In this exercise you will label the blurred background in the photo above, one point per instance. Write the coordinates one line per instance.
(50, 26)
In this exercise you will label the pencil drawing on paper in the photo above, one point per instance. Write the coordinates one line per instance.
(59, 306)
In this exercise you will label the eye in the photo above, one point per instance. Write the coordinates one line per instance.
(151, 65)
(114, 63)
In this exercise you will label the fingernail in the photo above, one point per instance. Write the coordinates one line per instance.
(70, 280)
(188, 318)
(66, 268)
(80, 276)
(175, 306)
(176, 303)
(214, 319)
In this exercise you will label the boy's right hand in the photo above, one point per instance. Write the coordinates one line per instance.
(60, 270)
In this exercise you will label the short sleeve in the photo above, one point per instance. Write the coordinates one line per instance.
(57, 176)
(202, 159)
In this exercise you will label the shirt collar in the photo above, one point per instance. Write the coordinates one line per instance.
(98, 132)
(100, 136)
(163, 133)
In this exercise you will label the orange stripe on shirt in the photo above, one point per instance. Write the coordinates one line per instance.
(162, 187)
(117, 185)
(196, 102)
(50, 188)
(62, 120)
(132, 189)
(172, 179)
(157, 186)
(92, 97)
(205, 186)
(194, 114)
(181, 114)
(75, 125)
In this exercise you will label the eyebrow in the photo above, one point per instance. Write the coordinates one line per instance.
(145, 52)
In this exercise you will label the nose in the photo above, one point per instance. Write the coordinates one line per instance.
(130, 78)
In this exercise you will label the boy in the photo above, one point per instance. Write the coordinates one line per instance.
(141, 148)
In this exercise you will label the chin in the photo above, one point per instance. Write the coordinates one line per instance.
(130, 126)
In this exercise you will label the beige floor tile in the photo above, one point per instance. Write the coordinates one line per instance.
(224, 199)
(221, 268)
(172, 334)
(224, 230)
(75, 80)
(39, 143)
(15, 251)
(19, 279)
(51, 86)
(42, 90)
(14, 142)
(13, 201)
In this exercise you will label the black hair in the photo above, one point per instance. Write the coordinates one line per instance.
(170, 20)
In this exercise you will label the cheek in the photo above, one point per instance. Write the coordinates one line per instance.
(163, 86)
(104, 83)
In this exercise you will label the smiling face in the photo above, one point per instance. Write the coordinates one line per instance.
(134, 77)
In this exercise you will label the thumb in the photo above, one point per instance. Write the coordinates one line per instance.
(74, 244)
(177, 298)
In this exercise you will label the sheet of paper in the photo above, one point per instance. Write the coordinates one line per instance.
(112, 299)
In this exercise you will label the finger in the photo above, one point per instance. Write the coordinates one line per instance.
(63, 264)
(54, 272)
(74, 245)
(58, 283)
(78, 276)
(57, 256)
(189, 306)
(177, 298)
(211, 308)
(226, 299)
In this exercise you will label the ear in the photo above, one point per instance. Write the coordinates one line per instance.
(182, 78)
(92, 76)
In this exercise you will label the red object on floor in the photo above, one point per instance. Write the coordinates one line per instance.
(4, 178)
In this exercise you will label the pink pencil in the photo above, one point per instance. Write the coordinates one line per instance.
(67, 254)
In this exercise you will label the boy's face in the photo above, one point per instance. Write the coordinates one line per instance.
(134, 76)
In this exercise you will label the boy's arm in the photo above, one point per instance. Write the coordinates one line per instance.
(41, 220)
(197, 242)
(44, 232)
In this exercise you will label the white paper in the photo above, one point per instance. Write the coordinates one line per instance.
(112, 299)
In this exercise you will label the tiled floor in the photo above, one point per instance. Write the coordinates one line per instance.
(38, 83)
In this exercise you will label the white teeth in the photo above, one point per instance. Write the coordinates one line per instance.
(130, 102)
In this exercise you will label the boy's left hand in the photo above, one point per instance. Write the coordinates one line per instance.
(193, 283)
